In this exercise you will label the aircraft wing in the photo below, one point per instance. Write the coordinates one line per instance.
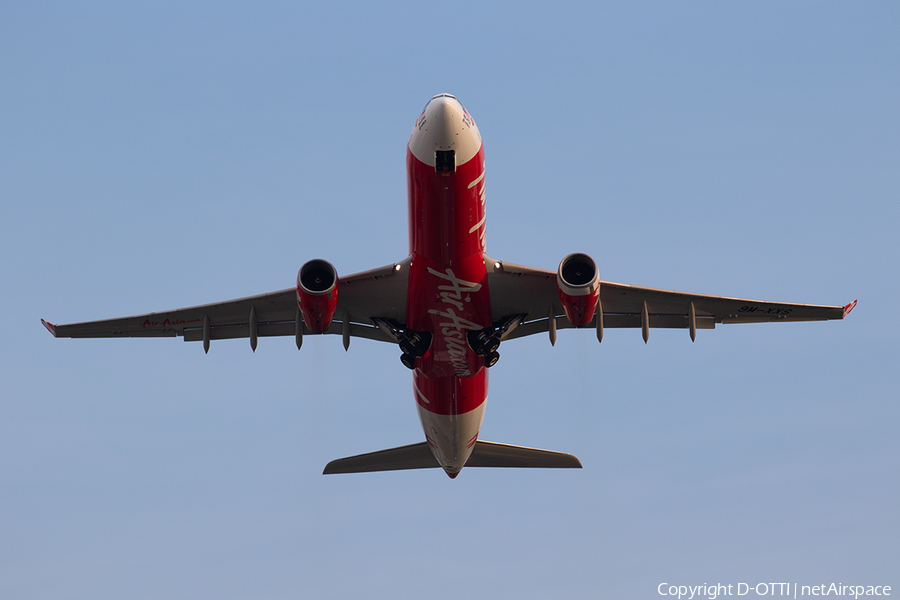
(519, 290)
(377, 293)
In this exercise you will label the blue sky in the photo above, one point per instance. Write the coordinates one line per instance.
(163, 156)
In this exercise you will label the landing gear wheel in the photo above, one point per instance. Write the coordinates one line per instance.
(484, 342)
(491, 358)
(408, 361)
(415, 343)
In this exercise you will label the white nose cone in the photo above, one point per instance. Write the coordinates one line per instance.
(444, 125)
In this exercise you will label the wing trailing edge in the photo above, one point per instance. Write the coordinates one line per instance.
(485, 454)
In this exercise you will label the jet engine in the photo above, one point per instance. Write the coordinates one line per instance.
(579, 288)
(317, 293)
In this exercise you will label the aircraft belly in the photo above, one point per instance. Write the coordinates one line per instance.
(446, 210)
(449, 302)
(452, 437)
(448, 297)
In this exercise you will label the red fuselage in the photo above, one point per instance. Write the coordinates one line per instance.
(448, 292)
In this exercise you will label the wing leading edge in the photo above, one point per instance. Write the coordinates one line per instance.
(533, 293)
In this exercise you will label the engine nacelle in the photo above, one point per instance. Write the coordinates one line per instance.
(579, 288)
(317, 293)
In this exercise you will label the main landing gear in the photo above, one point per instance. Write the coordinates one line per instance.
(413, 344)
(484, 342)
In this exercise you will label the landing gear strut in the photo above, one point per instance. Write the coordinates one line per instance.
(413, 344)
(484, 342)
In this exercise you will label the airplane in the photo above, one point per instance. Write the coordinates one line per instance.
(449, 306)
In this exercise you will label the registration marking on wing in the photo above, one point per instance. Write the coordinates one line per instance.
(748, 309)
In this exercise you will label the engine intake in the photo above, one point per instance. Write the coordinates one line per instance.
(579, 288)
(317, 293)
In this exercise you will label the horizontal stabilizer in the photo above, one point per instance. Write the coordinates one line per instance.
(414, 456)
(492, 454)
(485, 454)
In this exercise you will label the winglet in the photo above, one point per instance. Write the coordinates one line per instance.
(50, 327)
(848, 308)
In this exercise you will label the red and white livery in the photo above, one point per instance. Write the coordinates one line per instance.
(449, 306)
